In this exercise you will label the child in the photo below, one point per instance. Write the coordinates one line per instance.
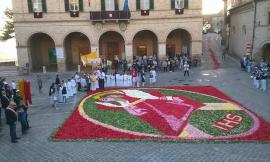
(153, 76)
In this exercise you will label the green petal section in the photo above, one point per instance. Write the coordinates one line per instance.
(191, 95)
(205, 119)
(118, 118)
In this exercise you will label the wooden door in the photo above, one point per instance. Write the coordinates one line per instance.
(142, 51)
(170, 50)
(112, 50)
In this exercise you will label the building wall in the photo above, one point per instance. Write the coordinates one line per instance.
(262, 32)
(58, 24)
(243, 14)
(239, 19)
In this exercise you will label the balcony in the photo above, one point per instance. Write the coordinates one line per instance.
(96, 16)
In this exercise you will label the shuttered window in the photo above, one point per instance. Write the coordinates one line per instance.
(30, 6)
(152, 5)
(116, 5)
(66, 5)
(172, 4)
(186, 4)
(44, 6)
(81, 5)
(138, 5)
(102, 5)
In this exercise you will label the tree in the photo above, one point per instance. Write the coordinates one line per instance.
(8, 29)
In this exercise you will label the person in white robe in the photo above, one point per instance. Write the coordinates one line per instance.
(74, 86)
(153, 77)
(69, 89)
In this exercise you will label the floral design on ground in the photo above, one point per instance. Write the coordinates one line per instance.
(162, 113)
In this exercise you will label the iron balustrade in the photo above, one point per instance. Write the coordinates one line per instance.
(109, 15)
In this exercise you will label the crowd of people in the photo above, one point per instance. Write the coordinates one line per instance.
(260, 74)
(13, 107)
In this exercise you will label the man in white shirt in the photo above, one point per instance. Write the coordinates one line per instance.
(13, 86)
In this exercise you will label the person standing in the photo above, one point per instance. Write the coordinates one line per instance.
(143, 78)
(64, 91)
(186, 69)
(74, 86)
(101, 80)
(13, 86)
(153, 77)
(57, 80)
(134, 74)
(11, 117)
(52, 93)
(39, 83)
(93, 81)
(78, 81)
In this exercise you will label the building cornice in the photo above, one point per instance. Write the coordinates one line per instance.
(241, 7)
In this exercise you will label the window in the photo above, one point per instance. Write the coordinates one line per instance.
(37, 6)
(244, 30)
(73, 5)
(144, 4)
(109, 5)
(179, 4)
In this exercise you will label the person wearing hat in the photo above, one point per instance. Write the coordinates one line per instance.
(11, 117)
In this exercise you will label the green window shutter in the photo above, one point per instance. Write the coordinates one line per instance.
(102, 5)
(30, 6)
(116, 6)
(186, 4)
(138, 5)
(172, 4)
(44, 6)
(66, 5)
(152, 6)
(81, 5)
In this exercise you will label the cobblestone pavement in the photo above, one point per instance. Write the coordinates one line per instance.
(35, 146)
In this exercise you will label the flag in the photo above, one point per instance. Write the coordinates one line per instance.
(126, 6)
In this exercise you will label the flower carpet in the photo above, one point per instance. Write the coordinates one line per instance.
(188, 114)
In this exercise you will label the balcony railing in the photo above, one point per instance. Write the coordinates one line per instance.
(109, 15)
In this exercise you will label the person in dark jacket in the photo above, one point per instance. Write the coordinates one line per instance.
(11, 117)
(57, 80)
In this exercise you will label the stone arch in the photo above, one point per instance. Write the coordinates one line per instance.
(75, 45)
(178, 41)
(111, 44)
(41, 47)
(265, 51)
(145, 43)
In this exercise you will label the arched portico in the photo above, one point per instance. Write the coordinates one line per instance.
(75, 44)
(42, 52)
(178, 42)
